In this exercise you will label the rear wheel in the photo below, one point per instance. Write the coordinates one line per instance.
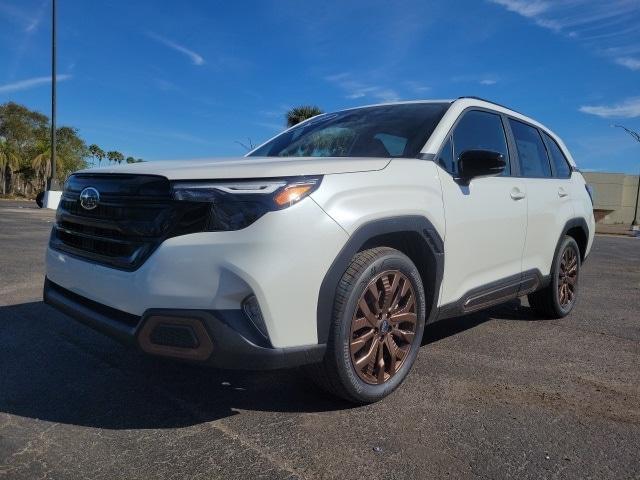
(377, 326)
(559, 297)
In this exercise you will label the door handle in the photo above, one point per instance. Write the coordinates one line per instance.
(517, 194)
(562, 192)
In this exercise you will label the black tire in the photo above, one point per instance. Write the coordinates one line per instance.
(548, 301)
(337, 373)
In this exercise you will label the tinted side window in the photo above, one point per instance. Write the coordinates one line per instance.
(563, 169)
(480, 131)
(532, 154)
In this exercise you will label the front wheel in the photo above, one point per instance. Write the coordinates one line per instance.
(559, 297)
(378, 321)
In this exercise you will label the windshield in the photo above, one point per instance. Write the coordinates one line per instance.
(399, 130)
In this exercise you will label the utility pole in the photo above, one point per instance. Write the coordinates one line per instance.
(53, 181)
(635, 214)
(636, 136)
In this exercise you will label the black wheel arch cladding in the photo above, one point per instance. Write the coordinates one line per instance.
(579, 230)
(426, 246)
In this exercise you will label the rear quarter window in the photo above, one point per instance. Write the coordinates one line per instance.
(560, 162)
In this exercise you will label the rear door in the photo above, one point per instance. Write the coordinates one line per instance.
(549, 192)
(485, 221)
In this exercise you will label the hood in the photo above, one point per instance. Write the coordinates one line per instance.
(248, 167)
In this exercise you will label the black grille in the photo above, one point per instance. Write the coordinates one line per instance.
(134, 215)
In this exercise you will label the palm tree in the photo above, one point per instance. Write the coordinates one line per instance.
(96, 152)
(115, 156)
(9, 162)
(41, 163)
(301, 113)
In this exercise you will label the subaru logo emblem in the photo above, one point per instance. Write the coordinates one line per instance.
(89, 198)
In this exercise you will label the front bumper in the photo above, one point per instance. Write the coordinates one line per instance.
(221, 338)
(281, 259)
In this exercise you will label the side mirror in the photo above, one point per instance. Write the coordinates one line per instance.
(479, 163)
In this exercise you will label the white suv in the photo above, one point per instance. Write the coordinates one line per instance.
(330, 246)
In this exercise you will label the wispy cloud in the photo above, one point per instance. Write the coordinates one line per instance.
(417, 87)
(629, 108)
(357, 89)
(30, 83)
(607, 28)
(195, 57)
(630, 63)
(124, 132)
(165, 85)
(481, 79)
(34, 22)
(524, 7)
(28, 21)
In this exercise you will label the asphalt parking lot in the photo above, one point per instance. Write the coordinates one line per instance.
(499, 394)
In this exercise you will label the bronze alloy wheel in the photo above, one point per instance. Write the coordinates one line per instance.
(567, 277)
(383, 327)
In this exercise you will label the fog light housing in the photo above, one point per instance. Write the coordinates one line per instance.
(251, 309)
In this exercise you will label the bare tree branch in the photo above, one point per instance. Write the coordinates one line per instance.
(635, 135)
(248, 146)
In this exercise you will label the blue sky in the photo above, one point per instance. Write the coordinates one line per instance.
(163, 80)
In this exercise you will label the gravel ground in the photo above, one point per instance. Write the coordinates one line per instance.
(499, 394)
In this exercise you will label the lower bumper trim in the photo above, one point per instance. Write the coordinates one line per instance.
(114, 323)
(192, 324)
(225, 340)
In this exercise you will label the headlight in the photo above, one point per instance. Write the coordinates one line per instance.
(236, 205)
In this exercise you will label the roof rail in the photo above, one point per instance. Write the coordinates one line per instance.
(488, 101)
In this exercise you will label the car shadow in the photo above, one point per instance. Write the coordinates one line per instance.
(57, 370)
(514, 310)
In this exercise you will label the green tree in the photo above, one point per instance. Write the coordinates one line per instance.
(22, 130)
(25, 150)
(72, 149)
(131, 160)
(9, 162)
(115, 156)
(301, 113)
(71, 154)
(41, 164)
(21, 127)
(97, 153)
